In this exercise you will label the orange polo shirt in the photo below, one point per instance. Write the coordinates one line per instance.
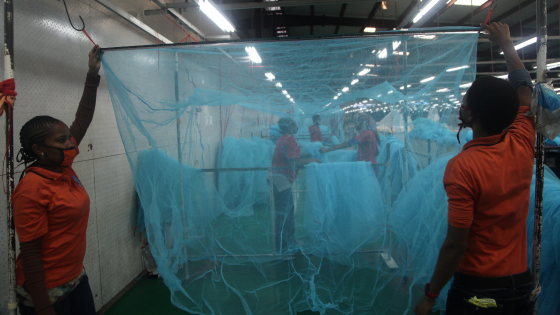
(56, 207)
(488, 187)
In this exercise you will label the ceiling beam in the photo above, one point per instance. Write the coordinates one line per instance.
(513, 10)
(340, 17)
(371, 14)
(304, 20)
(475, 12)
(406, 15)
(192, 6)
(532, 18)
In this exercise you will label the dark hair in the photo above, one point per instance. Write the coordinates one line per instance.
(316, 118)
(34, 131)
(494, 101)
(284, 123)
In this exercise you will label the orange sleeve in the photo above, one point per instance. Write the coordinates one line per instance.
(523, 128)
(460, 196)
(30, 214)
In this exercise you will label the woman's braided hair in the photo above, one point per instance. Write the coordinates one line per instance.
(33, 132)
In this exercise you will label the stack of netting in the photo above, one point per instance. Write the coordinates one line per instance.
(200, 127)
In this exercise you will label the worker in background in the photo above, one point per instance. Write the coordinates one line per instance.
(315, 129)
(51, 210)
(488, 188)
(367, 140)
(286, 162)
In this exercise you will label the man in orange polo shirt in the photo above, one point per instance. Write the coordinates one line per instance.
(488, 188)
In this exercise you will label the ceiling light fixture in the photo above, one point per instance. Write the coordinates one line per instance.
(427, 79)
(425, 10)
(207, 8)
(253, 54)
(364, 72)
(457, 68)
(524, 44)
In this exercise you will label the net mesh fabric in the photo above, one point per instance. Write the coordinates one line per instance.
(240, 216)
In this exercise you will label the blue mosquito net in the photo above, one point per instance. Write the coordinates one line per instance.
(297, 174)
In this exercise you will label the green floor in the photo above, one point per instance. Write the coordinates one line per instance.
(150, 296)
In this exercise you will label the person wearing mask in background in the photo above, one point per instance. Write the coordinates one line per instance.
(286, 162)
(367, 140)
(51, 210)
(488, 185)
(315, 130)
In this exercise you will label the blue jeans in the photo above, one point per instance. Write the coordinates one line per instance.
(78, 302)
(511, 301)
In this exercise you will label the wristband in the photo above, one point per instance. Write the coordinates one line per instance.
(428, 293)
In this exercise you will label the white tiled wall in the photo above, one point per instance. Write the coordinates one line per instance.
(50, 69)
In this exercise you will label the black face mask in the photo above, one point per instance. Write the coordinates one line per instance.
(68, 155)
(463, 121)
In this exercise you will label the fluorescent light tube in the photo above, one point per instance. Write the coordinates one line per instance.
(253, 54)
(524, 44)
(382, 53)
(427, 79)
(207, 8)
(364, 72)
(457, 68)
(425, 10)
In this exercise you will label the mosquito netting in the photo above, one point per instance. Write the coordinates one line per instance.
(296, 174)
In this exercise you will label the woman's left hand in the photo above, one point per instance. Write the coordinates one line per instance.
(94, 60)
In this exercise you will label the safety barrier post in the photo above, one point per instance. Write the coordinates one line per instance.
(539, 181)
(180, 160)
(8, 74)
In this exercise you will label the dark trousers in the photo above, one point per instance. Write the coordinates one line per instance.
(78, 302)
(284, 223)
(511, 300)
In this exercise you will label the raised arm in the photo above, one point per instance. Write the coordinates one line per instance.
(518, 75)
(84, 114)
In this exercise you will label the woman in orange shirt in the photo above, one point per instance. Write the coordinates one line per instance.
(51, 209)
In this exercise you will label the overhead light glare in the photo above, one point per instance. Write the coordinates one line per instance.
(270, 76)
(364, 72)
(457, 68)
(425, 10)
(345, 89)
(284, 92)
(207, 8)
(442, 90)
(466, 85)
(370, 29)
(396, 44)
(427, 79)
(279, 84)
(253, 54)
(524, 44)
(382, 54)
(425, 36)
(354, 81)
